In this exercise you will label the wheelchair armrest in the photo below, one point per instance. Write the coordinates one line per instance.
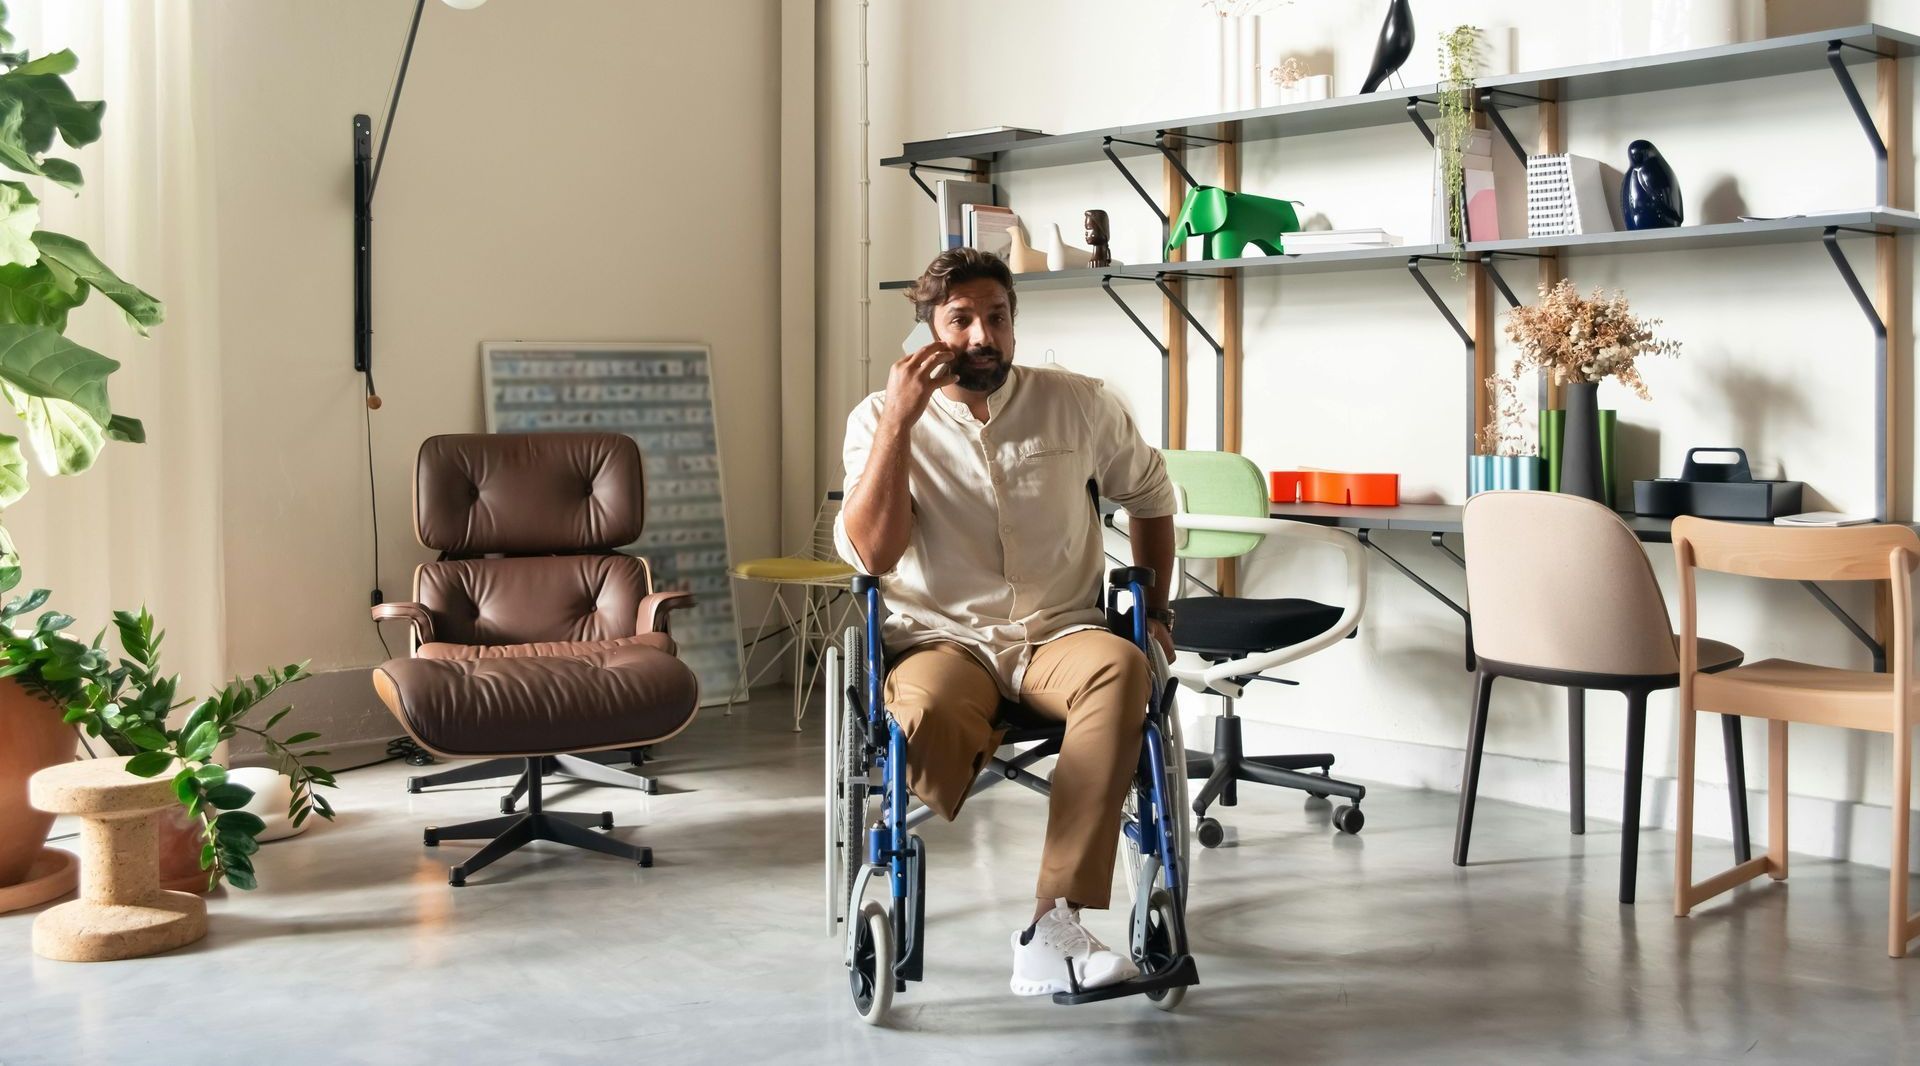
(864, 583)
(1122, 576)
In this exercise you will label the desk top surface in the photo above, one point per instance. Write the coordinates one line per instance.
(1429, 518)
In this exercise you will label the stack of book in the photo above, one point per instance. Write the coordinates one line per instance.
(988, 228)
(1566, 195)
(1308, 242)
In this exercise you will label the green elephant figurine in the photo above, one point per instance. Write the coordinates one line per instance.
(1232, 220)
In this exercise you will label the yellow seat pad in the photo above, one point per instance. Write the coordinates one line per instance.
(785, 568)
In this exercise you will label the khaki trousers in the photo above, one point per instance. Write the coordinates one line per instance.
(1095, 682)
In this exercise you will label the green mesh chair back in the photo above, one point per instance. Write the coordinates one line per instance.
(1221, 483)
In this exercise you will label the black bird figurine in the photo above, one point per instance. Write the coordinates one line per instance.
(1649, 193)
(1396, 44)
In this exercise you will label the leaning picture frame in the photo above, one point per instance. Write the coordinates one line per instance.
(659, 393)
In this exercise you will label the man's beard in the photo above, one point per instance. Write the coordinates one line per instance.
(980, 378)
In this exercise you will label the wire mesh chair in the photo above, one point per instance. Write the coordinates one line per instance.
(823, 581)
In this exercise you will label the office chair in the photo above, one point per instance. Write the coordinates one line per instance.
(1223, 515)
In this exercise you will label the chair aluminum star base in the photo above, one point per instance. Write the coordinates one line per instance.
(509, 833)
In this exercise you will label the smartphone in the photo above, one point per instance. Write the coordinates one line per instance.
(922, 336)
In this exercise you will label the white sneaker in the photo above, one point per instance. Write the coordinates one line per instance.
(1043, 952)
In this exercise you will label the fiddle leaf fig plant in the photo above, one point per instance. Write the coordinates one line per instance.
(127, 702)
(56, 387)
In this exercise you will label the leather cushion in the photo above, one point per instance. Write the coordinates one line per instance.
(1235, 627)
(535, 599)
(548, 649)
(528, 493)
(516, 705)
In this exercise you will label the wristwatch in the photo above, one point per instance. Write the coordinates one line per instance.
(1164, 616)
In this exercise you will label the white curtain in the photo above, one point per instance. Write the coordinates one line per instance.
(143, 526)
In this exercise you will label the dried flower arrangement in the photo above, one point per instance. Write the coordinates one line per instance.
(1585, 339)
(1575, 339)
(1288, 73)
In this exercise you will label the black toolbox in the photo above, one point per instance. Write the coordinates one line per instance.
(1716, 490)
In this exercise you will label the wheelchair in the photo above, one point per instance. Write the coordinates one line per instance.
(871, 846)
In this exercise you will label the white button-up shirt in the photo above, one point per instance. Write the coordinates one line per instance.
(1006, 550)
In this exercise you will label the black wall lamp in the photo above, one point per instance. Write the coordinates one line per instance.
(366, 176)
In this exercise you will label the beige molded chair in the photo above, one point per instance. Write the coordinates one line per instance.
(1783, 691)
(1561, 593)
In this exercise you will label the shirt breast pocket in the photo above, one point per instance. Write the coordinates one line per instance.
(1047, 452)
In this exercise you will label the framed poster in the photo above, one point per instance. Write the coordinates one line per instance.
(661, 395)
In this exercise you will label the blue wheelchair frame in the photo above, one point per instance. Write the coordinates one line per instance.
(890, 844)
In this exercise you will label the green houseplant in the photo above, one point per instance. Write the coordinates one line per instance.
(49, 681)
(1460, 58)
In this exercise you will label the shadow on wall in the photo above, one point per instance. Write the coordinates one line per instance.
(1759, 407)
(1723, 203)
(1636, 456)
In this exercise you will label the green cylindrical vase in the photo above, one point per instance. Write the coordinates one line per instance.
(1553, 430)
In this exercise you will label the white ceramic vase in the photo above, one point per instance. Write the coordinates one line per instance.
(1064, 256)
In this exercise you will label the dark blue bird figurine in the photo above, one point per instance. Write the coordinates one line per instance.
(1649, 193)
(1396, 44)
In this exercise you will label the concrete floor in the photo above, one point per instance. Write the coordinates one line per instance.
(1311, 947)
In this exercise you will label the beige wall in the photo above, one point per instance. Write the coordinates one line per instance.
(593, 170)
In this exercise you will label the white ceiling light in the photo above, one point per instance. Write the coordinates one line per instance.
(463, 5)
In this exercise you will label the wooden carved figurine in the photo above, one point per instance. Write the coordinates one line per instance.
(1097, 238)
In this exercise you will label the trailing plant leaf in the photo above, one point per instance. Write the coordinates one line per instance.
(1459, 62)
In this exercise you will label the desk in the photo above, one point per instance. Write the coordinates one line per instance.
(1437, 520)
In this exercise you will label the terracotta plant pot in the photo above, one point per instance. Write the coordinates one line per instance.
(179, 851)
(32, 738)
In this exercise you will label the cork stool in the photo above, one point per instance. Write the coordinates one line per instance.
(122, 912)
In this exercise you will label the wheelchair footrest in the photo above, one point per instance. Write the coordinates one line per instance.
(1180, 974)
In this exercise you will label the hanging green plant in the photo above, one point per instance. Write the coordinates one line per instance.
(1460, 60)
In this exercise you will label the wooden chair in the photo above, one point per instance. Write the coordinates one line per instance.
(1783, 691)
(1562, 594)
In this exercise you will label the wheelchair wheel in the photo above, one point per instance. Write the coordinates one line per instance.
(871, 976)
(850, 792)
(1158, 944)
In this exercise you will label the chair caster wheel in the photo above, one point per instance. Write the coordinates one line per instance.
(1316, 795)
(506, 805)
(457, 877)
(646, 858)
(413, 785)
(651, 788)
(1209, 833)
(431, 838)
(1349, 820)
(606, 819)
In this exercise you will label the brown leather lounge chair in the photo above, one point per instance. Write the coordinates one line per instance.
(533, 636)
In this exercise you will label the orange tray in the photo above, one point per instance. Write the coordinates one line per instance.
(1332, 486)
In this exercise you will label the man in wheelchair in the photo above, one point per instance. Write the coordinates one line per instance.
(967, 495)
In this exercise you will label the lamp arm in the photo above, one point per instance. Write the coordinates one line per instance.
(393, 104)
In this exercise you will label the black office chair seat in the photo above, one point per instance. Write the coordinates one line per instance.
(1232, 627)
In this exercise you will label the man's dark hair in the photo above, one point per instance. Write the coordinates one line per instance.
(957, 266)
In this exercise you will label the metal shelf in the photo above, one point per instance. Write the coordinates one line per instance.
(1675, 70)
(1213, 269)
(1714, 235)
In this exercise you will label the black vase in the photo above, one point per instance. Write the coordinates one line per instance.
(1396, 44)
(1580, 450)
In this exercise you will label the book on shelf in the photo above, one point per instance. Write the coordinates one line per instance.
(1306, 242)
(988, 228)
(950, 196)
(1566, 196)
(1480, 203)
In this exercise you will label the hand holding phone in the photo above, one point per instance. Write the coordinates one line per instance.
(922, 336)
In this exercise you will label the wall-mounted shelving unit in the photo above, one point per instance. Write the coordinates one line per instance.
(1837, 51)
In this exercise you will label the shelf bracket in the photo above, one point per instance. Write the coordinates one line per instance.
(1219, 359)
(1413, 267)
(1160, 142)
(1166, 356)
(914, 169)
(1486, 264)
(1366, 538)
(1859, 632)
(1831, 238)
(1865, 118)
(1413, 112)
(1500, 124)
(1106, 148)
